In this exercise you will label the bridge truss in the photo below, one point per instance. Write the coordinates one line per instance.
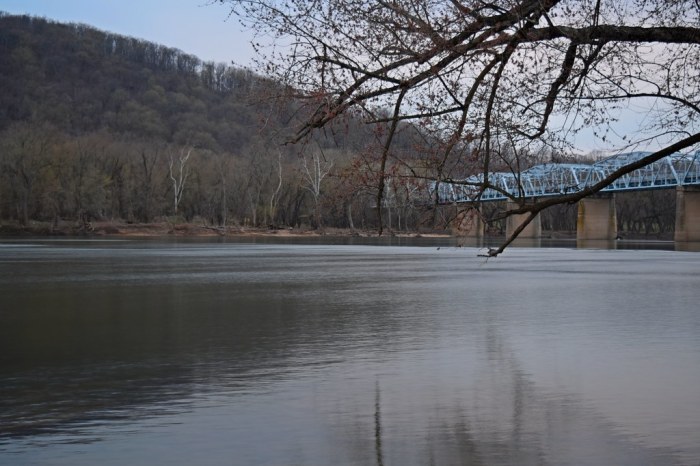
(555, 179)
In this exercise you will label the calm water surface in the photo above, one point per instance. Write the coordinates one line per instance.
(143, 352)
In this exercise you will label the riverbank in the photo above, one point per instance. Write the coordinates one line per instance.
(183, 229)
(159, 229)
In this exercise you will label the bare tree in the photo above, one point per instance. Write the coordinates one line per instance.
(179, 176)
(486, 79)
(316, 168)
(274, 197)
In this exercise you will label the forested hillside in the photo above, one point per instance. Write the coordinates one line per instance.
(98, 126)
(81, 80)
(95, 126)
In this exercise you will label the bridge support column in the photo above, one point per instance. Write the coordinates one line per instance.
(687, 214)
(532, 231)
(468, 224)
(597, 218)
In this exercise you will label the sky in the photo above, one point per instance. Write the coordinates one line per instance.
(198, 27)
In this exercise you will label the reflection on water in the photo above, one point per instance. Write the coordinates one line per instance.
(132, 352)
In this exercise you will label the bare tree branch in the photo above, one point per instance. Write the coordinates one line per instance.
(485, 85)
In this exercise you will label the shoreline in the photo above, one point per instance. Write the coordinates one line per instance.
(193, 230)
(167, 229)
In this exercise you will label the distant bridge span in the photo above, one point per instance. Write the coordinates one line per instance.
(554, 179)
(596, 216)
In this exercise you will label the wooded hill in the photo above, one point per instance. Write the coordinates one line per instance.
(97, 126)
(81, 80)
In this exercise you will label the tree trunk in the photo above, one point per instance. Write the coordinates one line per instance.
(349, 213)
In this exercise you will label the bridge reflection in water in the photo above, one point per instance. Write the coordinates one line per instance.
(597, 217)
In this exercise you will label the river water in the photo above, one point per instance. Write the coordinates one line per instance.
(225, 353)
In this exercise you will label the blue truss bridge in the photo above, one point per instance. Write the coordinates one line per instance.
(555, 179)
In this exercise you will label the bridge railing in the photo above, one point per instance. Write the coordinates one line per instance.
(557, 179)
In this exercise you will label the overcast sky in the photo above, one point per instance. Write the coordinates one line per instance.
(198, 27)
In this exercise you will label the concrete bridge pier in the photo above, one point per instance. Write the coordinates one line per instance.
(597, 218)
(532, 231)
(687, 214)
